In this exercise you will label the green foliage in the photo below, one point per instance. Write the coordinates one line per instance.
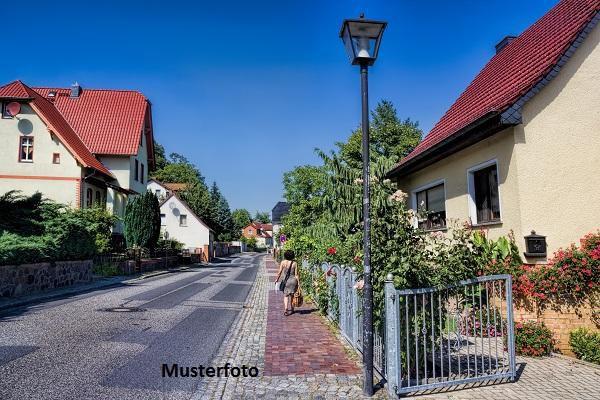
(585, 344)
(142, 221)
(533, 339)
(160, 159)
(199, 199)
(106, 270)
(262, 217)
(390, 137)
(16, 249)
(224, 221)
(241, 219)
(251, 243)
(21, 214)
(179, 170)
(173, 244)
(36, 229)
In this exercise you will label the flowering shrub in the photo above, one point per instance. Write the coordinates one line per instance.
(572, 273)
(585, 344)
(533, 339)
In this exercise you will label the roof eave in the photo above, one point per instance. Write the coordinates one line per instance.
(475, 132)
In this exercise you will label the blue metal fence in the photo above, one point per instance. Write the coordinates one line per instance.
(432, 337)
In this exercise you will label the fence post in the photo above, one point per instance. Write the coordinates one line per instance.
(355, 308)
(392, 337)
(511, 323)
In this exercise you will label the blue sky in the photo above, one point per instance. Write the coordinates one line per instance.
(247, 89)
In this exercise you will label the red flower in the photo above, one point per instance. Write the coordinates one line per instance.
(331, 251)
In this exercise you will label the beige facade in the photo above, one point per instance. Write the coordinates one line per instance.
(58, 177)
(548, 166)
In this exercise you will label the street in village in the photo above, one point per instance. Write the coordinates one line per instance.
(75, 348)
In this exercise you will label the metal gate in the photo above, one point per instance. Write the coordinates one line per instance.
(347, 311)
(449, 336)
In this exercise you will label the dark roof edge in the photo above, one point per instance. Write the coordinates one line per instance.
(509, 117)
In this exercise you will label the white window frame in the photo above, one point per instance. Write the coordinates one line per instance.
(180, 223)
(415, 206)
(471, 191)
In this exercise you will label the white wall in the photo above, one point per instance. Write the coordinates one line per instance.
(194, 235)
(59, 182)
(153, 186)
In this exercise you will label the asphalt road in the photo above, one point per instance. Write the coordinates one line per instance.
(73, 348)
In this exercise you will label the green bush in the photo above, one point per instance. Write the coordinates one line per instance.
(585, 344)
(16, 249)
(142, 221)
(106, 269)
(533, 339)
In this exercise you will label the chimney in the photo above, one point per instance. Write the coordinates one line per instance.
(75, 90)
(502, 44)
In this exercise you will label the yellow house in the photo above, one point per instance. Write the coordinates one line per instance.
(520, 148)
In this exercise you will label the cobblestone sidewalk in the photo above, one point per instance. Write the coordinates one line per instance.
(245, 344)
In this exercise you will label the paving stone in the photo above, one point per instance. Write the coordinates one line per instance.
(251, 336)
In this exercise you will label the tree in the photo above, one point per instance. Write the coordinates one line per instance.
(389, 137)
(179, 170)
(241, 219)
(160, 159)
(262, 217)
(200, 201)
(142, 221)
(223, 215)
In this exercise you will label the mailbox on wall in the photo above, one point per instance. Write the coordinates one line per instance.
(536, 245)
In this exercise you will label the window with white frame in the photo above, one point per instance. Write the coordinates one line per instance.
(484, 194)
(26, 149)
(162, 219)
(89, 201)
(430, 204)
(182, 220)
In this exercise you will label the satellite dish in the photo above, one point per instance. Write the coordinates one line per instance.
(13, 108)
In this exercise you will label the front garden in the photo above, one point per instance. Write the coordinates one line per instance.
(324, 225)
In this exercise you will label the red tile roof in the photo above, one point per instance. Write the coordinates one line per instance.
(108, 121)
(57, 124)
(14, 90)
(514, 70)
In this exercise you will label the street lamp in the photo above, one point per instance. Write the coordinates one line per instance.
(362, 38)
(166, 237)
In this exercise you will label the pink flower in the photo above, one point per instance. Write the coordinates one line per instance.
(359, 285)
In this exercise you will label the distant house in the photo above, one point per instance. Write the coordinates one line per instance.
(520, 148)
(263, 233)
(181, 223)
(163, 190)
(277, 214)
(77, 146)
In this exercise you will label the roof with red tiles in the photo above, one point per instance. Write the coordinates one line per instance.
(59, 126)
(516, 69)
(108, 121)
(14, 90)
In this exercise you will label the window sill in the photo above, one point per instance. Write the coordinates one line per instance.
(491, 223)
(445, 229)
(26, 161)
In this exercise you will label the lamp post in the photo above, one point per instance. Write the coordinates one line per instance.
(362, 38)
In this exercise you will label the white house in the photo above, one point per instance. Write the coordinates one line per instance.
(76, 146)
(162, 190)
(182, 224)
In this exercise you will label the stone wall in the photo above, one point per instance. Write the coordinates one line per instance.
(128, 267)
(561, 318)
(21, 280)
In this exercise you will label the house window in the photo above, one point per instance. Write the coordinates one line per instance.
(5, 112)
(98, 198)
(157, 192)
(56, 158)
(484, 194)
(137, 167)
(162, 219)
(142, 174)
(431, 208)
(182, 220)
(26, 149)
(88, 198)
(249, 231)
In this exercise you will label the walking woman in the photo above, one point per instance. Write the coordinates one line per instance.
(289, 269)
